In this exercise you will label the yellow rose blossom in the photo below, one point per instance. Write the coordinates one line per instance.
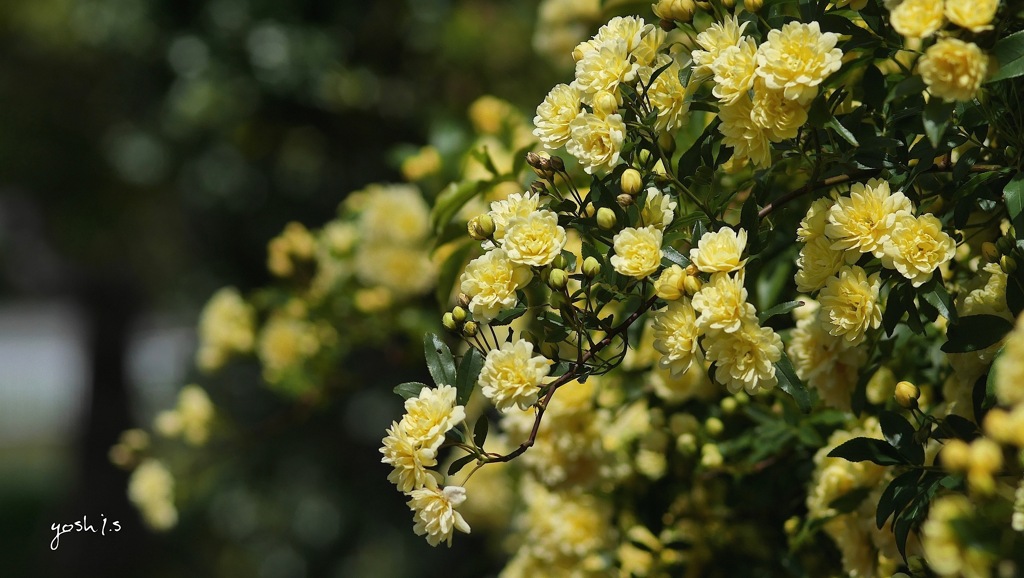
(917, 18)
(813, 223)
(151, 489)
(535, 239)
(403, 271)
(295, 243)
(668, 96)
(849, 305)
(659, 209)
(596, 141)
(953, 69)
(431, 414)
(864, 220)
(946, 553)
(512, 375)
(603, 69)
(748, 140)
(514, 206)
(720, 251)
(1010, 367)
(917, 247)
(190, 419)
(733, 71)
(227, 325)
(722, 304)
(637, 251)
(394, 214)
(435, 515)
(797, 58)
(559, 108)
(821, 360)
(675, 336)
(409, 458)
(974, 15)
(669, 285)
(491, 281)
(817, 263)
(745, 358)
(776, 114)
(714, 39)
(284, 343)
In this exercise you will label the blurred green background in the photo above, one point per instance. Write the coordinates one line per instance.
(149, 149)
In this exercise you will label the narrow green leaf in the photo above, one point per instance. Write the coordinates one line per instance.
(780, 309)
(440, 362)
(459, 464)
(469, 373)
(790, 383)
(451, 199)
(508, 316)
(1013, 195)
(834, 124)
(480, 431)
(409, 389)
(936, 116)
(868, 450)
(900, 435)
(1009, 53)
(896, 496)
(675, 257)
(975, 332)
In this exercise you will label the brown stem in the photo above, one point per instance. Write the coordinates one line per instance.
(566, 378)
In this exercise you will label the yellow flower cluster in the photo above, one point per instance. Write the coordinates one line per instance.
(764, 91)
(944, 550)
(288, 339)
(227, 325)
(190, 419)
(295, 245)
(151, 490)
(512, 375)
(923, 18)
(822, 360)
(491, 281)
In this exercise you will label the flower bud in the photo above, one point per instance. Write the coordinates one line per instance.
(560, 262)
(691, 284)
(1008, 264)
(753, 5)
(681, 10)
(669, 285)
(589, 210)
(1005, 245)
(591, 267)
(990, 252)
(605, 103)
(557, 279)
(729, 3)
(481, 227)
(606, 218)
(557, 164)
(714, 426)
(469, 329)
(448, 321)
(538, 188)
(728, 405)
(463, 300)
(541, 164)
(692, 270)
(956, 455)
(624, 200)
(907, 394)
(458, 314)
(791, 526)
(631, 182)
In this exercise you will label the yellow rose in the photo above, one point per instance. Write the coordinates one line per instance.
(917, 18)
(953, 69)
(797, 58)
(974, 15)
(637, 251)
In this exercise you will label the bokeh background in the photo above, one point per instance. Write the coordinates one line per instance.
(149, 149)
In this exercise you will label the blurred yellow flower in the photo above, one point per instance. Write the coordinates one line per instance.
(151, 489)
(974, 15)
(953, 69)
(917, 18)
(227, 325)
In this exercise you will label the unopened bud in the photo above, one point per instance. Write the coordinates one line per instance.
(557, 163)
(791, 526)
(606, 218)
(589, 210)
(1008, 264)
(990, 252)
(558, 279)
(448, 321)
(624, 200)
(631, 182)
(1005, 245)
(714, 426)
(669, 285)
(907, 394)
(591, 267)
(459, 314)
(538, 188)
(605, 103)
(560, 262)
(692, 270)
(728, 405)
(728, 3)
(541, 164)
(463, 300)
(480, 227)
(469, 329)
(753, 5)
(667, 142)
(680, 10)
(692, 284)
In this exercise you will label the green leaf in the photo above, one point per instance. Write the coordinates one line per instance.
(675, 257)
(934, 293)
(896, 496)
(900, 434)
(954, 426)
(849, 501)
(469, 373)
(1009, 53)
(936, 116)
(409, 389)
(440, 362)
(975, 332)
(449, 271)
(834, 124)
(480, 431)
(868, 450)
(912, 85)
(780, 309)
(451, 199)
(790, 383)
(1013, 195)
(508, 316)
(483, 156)
(459, 464)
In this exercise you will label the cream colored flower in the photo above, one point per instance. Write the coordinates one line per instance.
(409, 458)
(151, 489)
(669, 285)
(720, 251)
(285, 343)
(435, 515)
(190, 419)
(849, 305)
(733, 71)
(864, 220)
(491, 281)
(403, 271)
(559, 108)
(821, 360)
(675, 336)
(797, 58)
(603, 69)
(745, 358)
(974, 15)
(637, 251)
(659, 210)
(917, 247)
(722, 304)
(917, 18)
(778, 115)
(748, 140)
(295, 243)
(534, 240)
(813, 223)
(227, 325)
(947, 553)
(394, 215)
(516, 205)
(641, 40)
(714, 39)
(817, 263)
(596, 141)
(431, 414)
(953, 69)
(512, 375)
(1010, 367)
(668, 96)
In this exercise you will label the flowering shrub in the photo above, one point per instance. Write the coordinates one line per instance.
(751, 310)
